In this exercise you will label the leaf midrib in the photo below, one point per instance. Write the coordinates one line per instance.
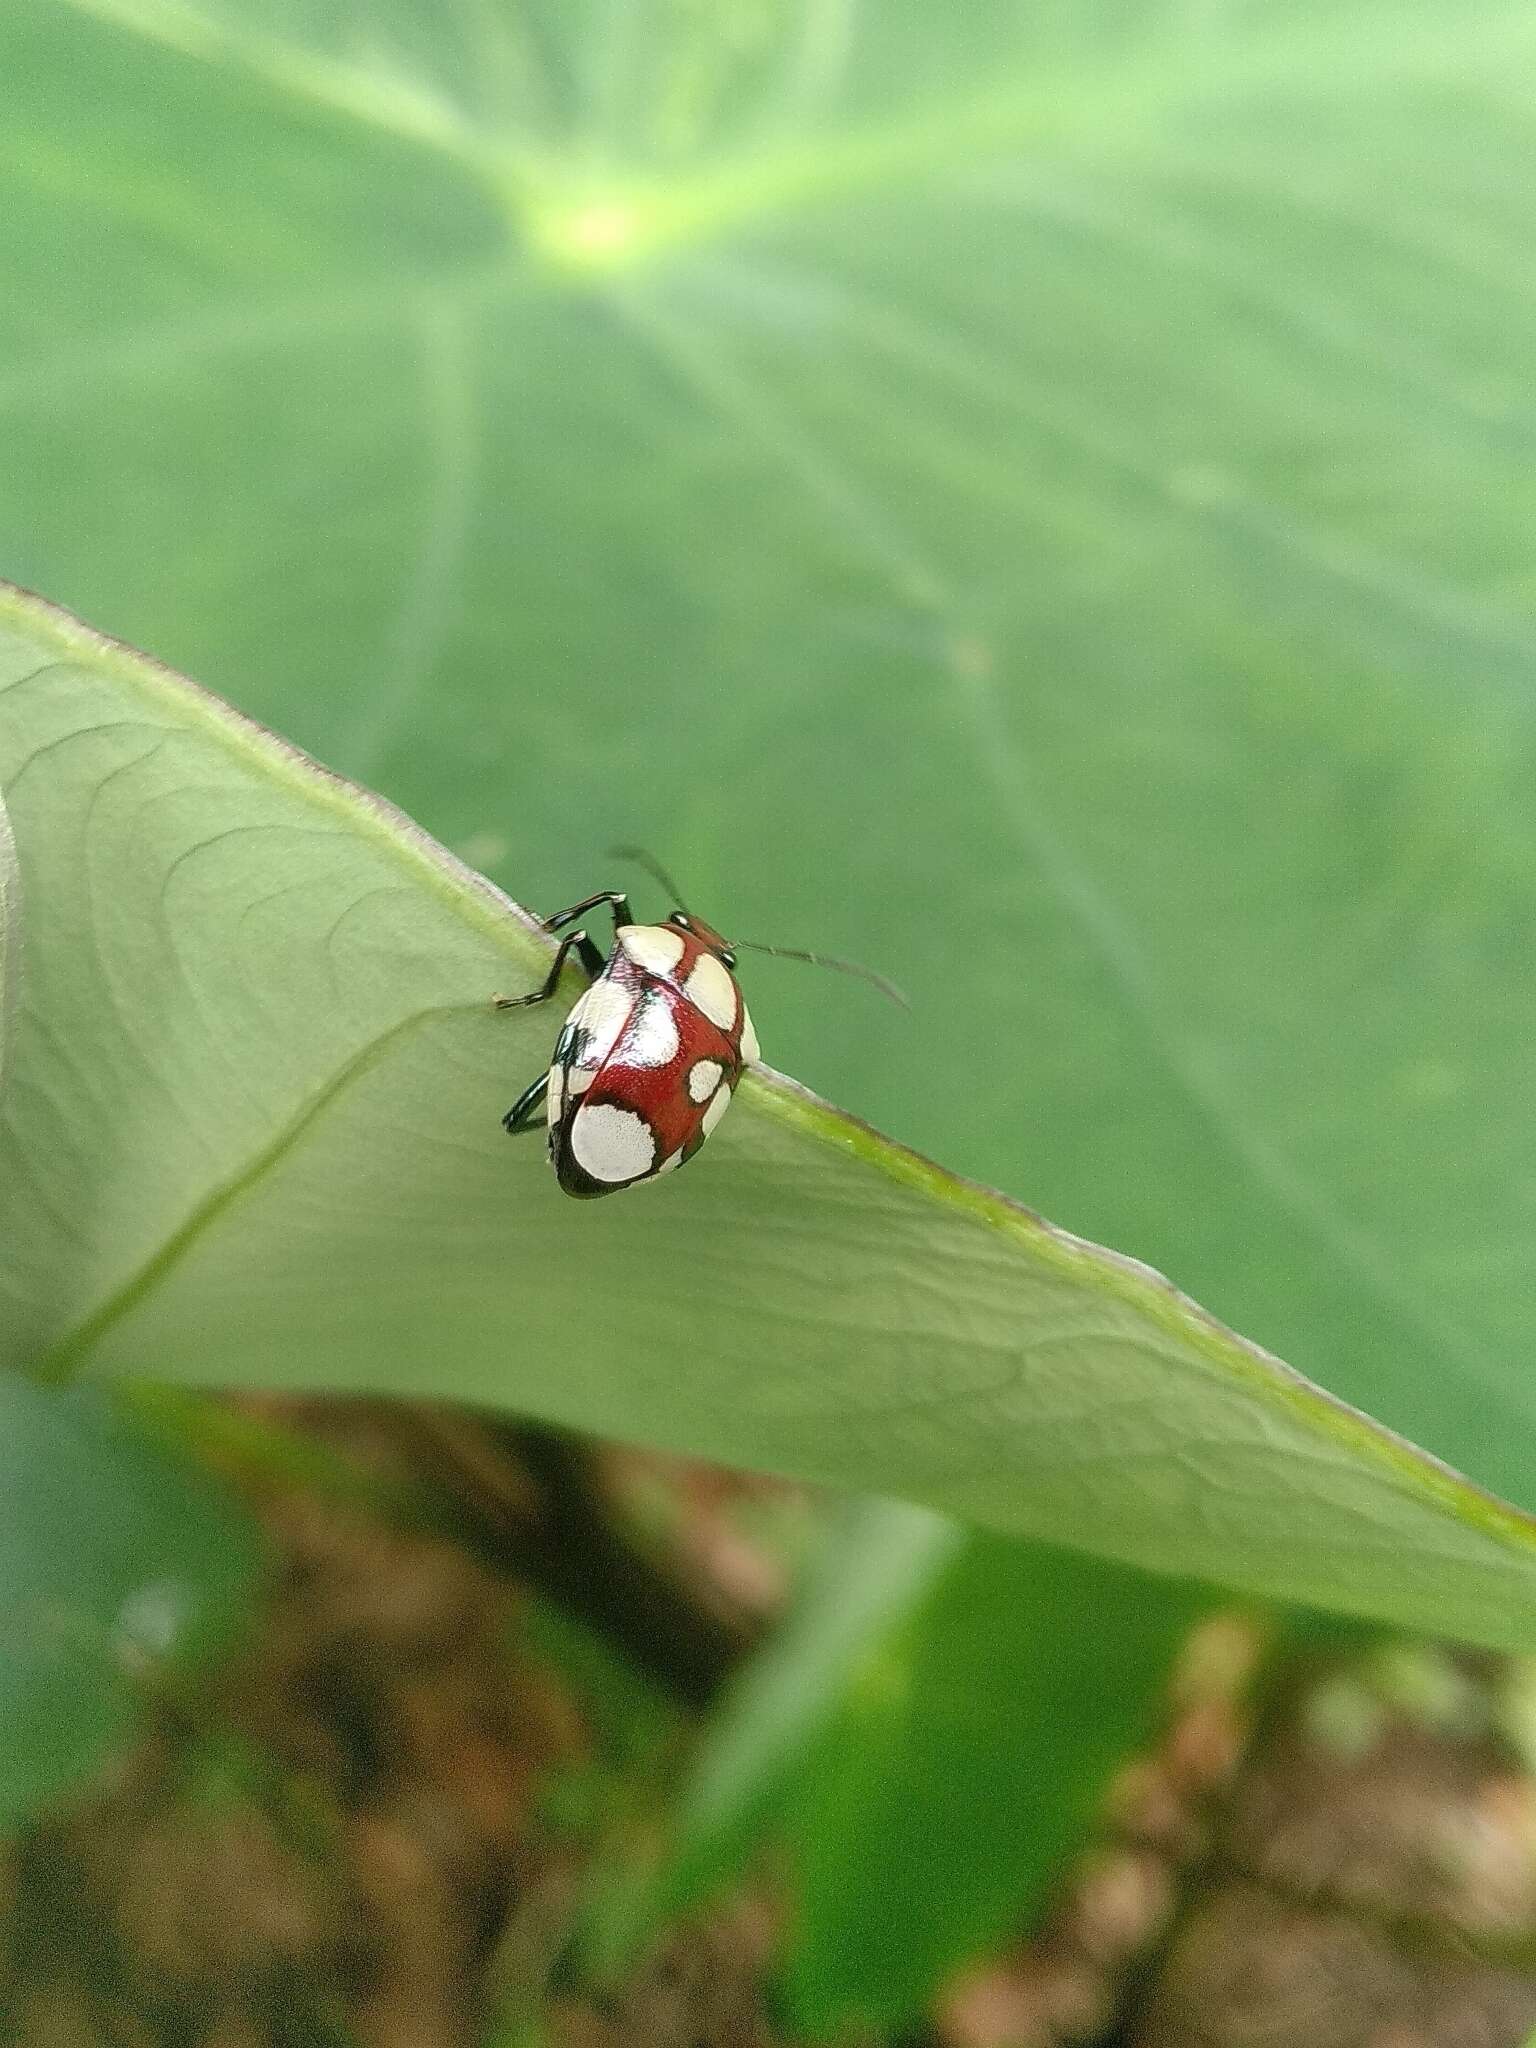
(73, 1350)
(547, 197)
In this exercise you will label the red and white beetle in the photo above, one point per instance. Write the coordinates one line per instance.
(644, 1068)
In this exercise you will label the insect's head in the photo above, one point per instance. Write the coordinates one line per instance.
(706, 935)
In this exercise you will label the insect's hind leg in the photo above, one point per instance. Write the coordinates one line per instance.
(524, 1113)
(575, 942)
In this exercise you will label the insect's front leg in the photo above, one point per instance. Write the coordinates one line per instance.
(574, 942)
(614, 898)
(524, 1113)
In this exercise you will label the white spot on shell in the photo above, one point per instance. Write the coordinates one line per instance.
(712, 989)
(704, 1079)
(750, 1049)
(600, 1015)
(652, 1039)
(610, 1143)
(716, 1110)
(655, 947)
(554, 1101)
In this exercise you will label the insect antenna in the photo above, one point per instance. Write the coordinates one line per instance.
(886, 988)
(642, 857)
(652, 866)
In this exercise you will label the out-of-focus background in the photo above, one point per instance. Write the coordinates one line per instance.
(1035, 497)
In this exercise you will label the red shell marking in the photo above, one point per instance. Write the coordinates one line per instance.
(645, 1066)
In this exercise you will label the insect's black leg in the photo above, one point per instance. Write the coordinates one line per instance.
(577, 943)
(521, 1116)
(615, 897)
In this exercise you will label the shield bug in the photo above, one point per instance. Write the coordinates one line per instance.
(646, 1063)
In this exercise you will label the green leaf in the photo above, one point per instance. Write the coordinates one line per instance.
(877, 1565)
(947, 1706)
(117, 1565)
(251, 1138)
(968, 1759)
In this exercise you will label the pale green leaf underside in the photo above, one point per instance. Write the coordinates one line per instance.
(251, 1139)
